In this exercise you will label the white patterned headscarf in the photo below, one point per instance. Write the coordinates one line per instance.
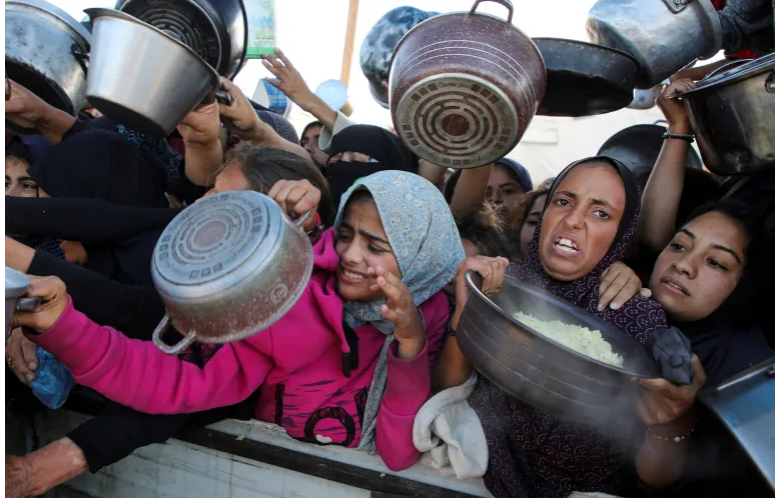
(424, 238)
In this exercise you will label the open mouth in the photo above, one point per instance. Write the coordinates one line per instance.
(675, 287)
(566, 245)
(351, 275)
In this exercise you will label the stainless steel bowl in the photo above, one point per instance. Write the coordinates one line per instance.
(141, 77)
(541, 372)
(45, 52)
(228, 267)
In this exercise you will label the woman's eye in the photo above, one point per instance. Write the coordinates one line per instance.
(716, 264)
(562, 202)
(675, 246)
(602, 214)
(509, 191)
(345, 237)
(374, 249)
(31, 186)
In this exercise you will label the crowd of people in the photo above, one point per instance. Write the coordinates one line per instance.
(373, 337)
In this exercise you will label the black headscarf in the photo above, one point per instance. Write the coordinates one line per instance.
(533, 453)
(382, 146)
(730, 339)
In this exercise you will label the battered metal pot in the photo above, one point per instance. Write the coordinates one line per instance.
(662, 35)
(142, 77)
(228, 267)
(44, 52)
(537, 370)
(733, 116)
(463, 87)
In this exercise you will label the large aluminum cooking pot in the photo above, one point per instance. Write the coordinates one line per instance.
(44, 50)
(464, 87)
(662, 35)
(745, 405)
(228, 267)
(541, 372)
(141, 77)
(733, 115)
(16, 284)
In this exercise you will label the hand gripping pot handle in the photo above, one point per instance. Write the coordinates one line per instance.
(505, 3)
(189, 338)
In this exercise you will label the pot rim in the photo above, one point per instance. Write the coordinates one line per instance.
(58, 13)
(538, 291)
(96, 12)
(747, 70)
(586, 44)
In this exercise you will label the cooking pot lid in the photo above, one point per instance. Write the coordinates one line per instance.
(216, 236)
(738, 72)
(16, 283)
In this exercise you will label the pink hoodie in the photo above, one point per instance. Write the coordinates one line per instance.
(297, 364)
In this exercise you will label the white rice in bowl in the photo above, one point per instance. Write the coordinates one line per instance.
(581, 339)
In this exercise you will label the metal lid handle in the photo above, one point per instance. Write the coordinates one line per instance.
(505, 3)
(176, 348)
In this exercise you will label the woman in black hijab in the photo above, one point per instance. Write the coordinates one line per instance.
(383, 150)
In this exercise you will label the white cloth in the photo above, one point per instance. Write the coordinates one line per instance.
(449, 434)
(325, 137)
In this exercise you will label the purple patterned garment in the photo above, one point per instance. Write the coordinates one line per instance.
(533, 454)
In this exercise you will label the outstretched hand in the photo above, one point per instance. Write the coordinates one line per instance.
(297, 198)
(54, 300)
(289, 80)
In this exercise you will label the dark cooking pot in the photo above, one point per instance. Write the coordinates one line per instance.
(541, 372)
(217, 30)
(638, 147)
(463, 87)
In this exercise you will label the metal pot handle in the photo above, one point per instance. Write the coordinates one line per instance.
(769, 83)
(178, 347)
(27, 303)
(505, 3)
(677, 6)
(80, 56)
(726, 66)
(299, 222)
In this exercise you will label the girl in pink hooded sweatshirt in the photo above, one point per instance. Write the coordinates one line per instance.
(348, 365)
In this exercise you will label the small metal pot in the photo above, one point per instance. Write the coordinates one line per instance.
(662, 35)
(16, 284)
(733, 116)
(44, 52)
(142, 77)
(547, 375)
(228, 267)
(464, 87)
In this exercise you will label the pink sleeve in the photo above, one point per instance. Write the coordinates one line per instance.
(137, 374)
(408, 387)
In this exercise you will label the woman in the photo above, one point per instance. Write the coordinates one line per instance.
(706, 279)
(356, 333)
(590, 216)
(530, 211)
(508, 182)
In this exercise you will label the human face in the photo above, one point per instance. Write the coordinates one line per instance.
(503, 188)
(230, 178)
(310, 143)
(581, 221)
(700, 267)
(361, 244)
(533, 220)
(17, 182)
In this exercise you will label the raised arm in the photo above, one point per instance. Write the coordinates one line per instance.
(136, 373)
(203, 153)
(87, 220)
(470, 191)
(242, 120)
(659, 205)
(30, 111)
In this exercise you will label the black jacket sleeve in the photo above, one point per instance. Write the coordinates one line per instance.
(134, 310)
(86, 220)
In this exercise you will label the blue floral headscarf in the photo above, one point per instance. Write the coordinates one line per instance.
(425, 240)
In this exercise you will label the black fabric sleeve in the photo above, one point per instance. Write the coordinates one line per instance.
(90, 221)
(134, 310)
(185, 190)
